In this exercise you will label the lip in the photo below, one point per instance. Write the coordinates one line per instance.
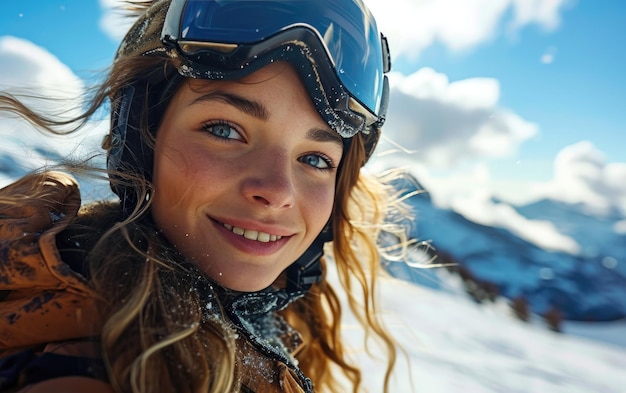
(253, 225)
(248, 246)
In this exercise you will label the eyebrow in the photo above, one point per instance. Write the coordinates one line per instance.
(258, 110)
(324, 135)
(247, 106)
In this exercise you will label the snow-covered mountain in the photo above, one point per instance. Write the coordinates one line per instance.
(454, 345)
(588, 286)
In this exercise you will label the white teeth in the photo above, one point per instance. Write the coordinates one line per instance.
(253, 235)
(263, 237)
(250, 234)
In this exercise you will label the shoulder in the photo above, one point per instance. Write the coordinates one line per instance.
(43, 300)
(69, 385)
(44, 198)
(36, 208)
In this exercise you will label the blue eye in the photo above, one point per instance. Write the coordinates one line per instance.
(222, 130)
(317, 161)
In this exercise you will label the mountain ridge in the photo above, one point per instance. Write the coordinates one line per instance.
(589, 286)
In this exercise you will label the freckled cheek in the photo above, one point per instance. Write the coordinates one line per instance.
(319, 203)
(184, 174)
(172, 174)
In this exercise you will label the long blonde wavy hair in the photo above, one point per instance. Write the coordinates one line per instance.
(155, 335)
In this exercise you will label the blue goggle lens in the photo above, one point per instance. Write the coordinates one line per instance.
(347, 30)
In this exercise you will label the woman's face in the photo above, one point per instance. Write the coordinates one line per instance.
(244, 175)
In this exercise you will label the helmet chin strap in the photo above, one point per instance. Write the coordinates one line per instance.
(307, 270)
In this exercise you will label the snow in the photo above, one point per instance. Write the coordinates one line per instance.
(454, 345)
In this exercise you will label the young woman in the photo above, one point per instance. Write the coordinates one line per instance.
(238, 133)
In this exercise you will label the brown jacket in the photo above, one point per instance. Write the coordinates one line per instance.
(42, 300)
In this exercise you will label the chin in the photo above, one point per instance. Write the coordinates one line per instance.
(252, 281)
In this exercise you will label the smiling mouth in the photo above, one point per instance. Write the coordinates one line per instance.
(252, 234)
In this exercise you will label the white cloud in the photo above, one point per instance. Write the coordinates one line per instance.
(548, 56)
(413, 25)
(115, 22)
(29, 70)
(582, 176)
(48, 86)
(545, 13)
(25, 66)
(447, 122)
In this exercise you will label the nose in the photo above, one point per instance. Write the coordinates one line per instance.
(270, 181)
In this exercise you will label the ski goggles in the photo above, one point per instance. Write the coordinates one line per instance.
(333, 44)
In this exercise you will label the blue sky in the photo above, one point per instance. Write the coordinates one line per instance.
(580, 95)
(518, 99)
(69, 29)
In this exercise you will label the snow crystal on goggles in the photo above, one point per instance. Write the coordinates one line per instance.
(334, 44)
